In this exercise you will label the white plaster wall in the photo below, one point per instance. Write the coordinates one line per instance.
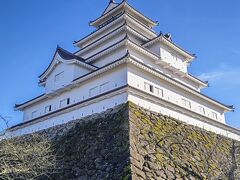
(137, 78)
(80, 71)
(99, 33)
(78, 113)
(151, 63)
(170, 56)
(155, 48)
(68, 76)
(105, 44)
(141, 28)
(175, 59)
(115, 78)
(110, 57)
(70, 72)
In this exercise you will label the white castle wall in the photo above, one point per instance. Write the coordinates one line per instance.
(110, 80)
(84, 110)
(138, 78)
(147, 61)
(68, 73)
(105, 44)
(170, 56)
(108, 58)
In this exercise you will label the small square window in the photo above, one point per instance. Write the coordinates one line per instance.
(64, 102)
(59, 76)
(34, 114)
(151, 89)
(201, 110)
(93, 91)
(48, 109)
(104, 87)
(214, 115)
(186, 103)
(148, 87)
(159, 92)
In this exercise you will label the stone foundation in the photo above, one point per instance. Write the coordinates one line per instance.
(129, 142)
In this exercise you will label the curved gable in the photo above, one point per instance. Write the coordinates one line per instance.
(65, 57)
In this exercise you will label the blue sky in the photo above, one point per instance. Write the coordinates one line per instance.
(30, 30)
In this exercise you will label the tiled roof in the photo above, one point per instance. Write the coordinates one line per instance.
(66, 55)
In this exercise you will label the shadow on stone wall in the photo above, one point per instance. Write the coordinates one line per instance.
(96, 148)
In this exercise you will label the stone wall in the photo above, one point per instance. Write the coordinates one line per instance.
(96, 147)
(129, 142)
(164, 148)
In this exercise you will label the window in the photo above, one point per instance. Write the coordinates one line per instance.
(186, 103)
(48, 109)
(94, 91)
(201, 110)
(214, 115)
(148, 87)
(159, 92)
(34, 114)
(104, 87)
(151, 88)
(59, 76)
(64, 102)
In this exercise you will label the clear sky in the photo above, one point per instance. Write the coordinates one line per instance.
(30, 30)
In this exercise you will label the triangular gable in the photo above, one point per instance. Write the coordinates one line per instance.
(63, 56)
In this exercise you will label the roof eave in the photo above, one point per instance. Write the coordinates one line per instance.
(84, 39)
(124, 3)
(189, 57)
(19, 107)
(93, 23)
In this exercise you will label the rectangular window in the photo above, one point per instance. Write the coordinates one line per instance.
(104, 87)
(48, 109)
(186, 103)
(159, 92)
(93, 91)
(214, 115)
(201, 110)
(151, 89)
(34, 114)
(59, 76)
(148, 87)
(64, 102)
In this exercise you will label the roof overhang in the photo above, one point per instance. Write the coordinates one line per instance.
(124, 6)
(161, 75)
(122, 29)
(189, 57)
(20, 107)
(199, 81)
(132, 60)
(75, 83)
(124, 17)
(59, 58)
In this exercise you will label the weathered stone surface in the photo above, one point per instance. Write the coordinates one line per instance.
(174, 150)
(129, 142)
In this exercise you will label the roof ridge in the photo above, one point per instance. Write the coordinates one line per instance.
(110, 2)
(124, 2)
